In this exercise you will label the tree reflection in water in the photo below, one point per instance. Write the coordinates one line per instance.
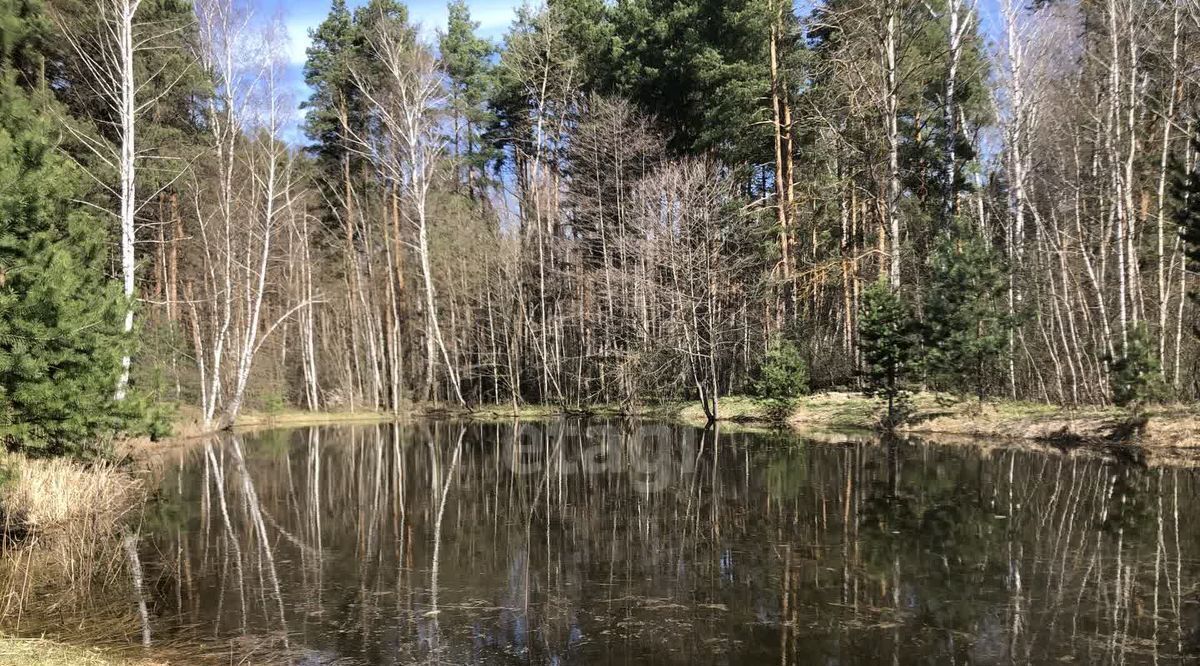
(618, 542)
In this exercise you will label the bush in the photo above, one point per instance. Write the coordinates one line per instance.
(783, 374)
(273, 403)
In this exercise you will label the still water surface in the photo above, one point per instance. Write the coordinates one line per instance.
(607, 542)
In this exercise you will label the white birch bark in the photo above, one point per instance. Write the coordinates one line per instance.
(407, 105)
(107, 61)
(252, 194)
(891, 120)
(128, 168)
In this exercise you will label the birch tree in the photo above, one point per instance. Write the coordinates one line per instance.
(247, 203)
(407, 99)
(106, 48)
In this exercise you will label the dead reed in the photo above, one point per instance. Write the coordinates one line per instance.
(61, 524)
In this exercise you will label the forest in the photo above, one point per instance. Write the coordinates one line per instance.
(617, 203)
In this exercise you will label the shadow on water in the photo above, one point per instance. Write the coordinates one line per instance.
(596, 541)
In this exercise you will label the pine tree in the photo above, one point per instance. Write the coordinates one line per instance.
(703, 70)
(537, 52)
(467, 61)
(25, 40)
(783, 373)
(588, 28)
(338, 121)
(368, 21)
(328, 71)
(61, 337)
(334, 111)
(888, 342)
(966, 323)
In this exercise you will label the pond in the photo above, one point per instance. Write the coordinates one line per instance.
(616, 542)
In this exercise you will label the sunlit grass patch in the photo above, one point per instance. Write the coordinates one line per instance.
(729, 408)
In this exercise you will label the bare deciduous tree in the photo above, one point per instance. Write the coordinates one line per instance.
(407, 100)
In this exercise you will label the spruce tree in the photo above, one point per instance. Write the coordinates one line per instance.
(888, 342)
(1136, 377)
(61, 338)
(966, 322)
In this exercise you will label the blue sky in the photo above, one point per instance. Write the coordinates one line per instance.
(493, 16)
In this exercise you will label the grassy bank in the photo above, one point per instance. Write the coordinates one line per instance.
(187, 422)
(1169, 426)
(1165, 426)
(38, 651)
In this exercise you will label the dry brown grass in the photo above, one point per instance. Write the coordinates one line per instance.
(31, 651)
(61, 520)
(51, 498)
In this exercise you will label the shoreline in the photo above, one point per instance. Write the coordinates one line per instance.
(1164, 426)
(1168, 436)
(1165, 434)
